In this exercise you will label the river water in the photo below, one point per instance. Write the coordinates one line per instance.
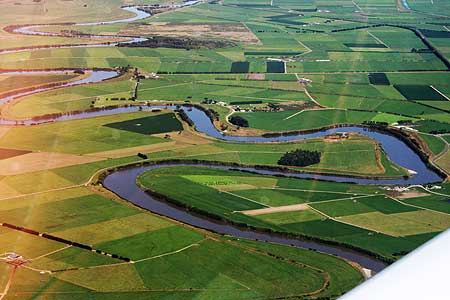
(123, 182)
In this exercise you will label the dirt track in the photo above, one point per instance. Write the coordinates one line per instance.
(271, 210)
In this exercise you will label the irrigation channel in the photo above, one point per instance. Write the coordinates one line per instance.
(123, 182)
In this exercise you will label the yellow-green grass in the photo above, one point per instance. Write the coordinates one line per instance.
(356, 205)
(280, 121)
(197, 89)
(434, 143)
(291, 217)
(227, 205)
(59, 178)
(434, 202)
(356, 156)
(195, 269)
(25, 244)
(280, 197)
(15, 82)
(444, 162)
(188, 264)
(69, 99)
(401, 224)
(31, 12)
(78, 136)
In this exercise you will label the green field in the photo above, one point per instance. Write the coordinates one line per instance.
(82, 136)
(347, 217)
(356, 156)
(15, 82)
(282, 65)
(149, 125)
(280, 121)
(153, 243)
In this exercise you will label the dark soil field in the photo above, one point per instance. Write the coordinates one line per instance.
(8, 153)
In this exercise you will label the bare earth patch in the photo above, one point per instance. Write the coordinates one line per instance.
(256, 76)
(226, 31)
(38, 161)
(411, 194)
(271, 210)
(8, 153)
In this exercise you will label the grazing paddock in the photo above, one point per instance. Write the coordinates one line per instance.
(378, 79)
(149, 125)
(419, 92)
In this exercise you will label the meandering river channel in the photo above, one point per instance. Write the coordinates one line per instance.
(123, 183)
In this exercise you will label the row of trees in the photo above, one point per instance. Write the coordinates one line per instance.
(300, 158)
(177, 43)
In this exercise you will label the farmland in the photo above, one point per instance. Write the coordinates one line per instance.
(349, 216)
(79, 163)
(79, 270)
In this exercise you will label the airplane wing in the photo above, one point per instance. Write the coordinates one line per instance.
(420, 275)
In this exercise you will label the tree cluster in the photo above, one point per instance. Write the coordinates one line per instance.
(300, 158)
(177, 43)
(239, 121)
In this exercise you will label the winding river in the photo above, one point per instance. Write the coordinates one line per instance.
(93, 77)
(397, 151)
(29, 30)
(123, 182)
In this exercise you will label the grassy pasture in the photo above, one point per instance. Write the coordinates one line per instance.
(277, 121)
(303, 222)
(194, 264)
(149, 125)
(419, 92)
(434, 202)
(378, 79)
(78, 136)
(357, 153)
(435, 144)
(206, 264)
(69, 99)
(15, 82)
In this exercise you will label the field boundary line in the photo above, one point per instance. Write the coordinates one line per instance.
(440, 93)
(245, 198)
(8, 284)
(308, 50)
(321, 191)
(348, 223)
(52, 252)
(43, 192)
(420, 207)
(294, 114)
(161, 87)
(357, 6)
(196, 244)
(427, 190)
(235, 280)
(377, 39)
(339, 199)
(303, 110)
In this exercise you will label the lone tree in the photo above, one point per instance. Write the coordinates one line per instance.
(239, 121)
(300, 158)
